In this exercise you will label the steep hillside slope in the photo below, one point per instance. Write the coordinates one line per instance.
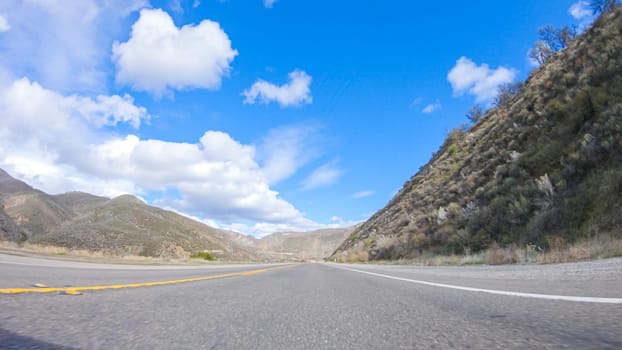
(9, 185)
(316, 245)
(543, 168)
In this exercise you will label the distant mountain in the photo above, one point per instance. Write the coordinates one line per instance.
(126, 225)
(313, 245)
(543, 167)
(120, 226)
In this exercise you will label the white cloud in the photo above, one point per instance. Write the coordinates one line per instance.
(58, 143)
(323, 176)
(60, 114)
(63, 45)
(269, 3)
(109, 110)
(285, 149)
(217, 178)
(431, 108)
(303, 225)
(4, 24)
(45, 136)
(363, 194)
(159, 56)
(293, 93)
(479, 81)
(580, 10)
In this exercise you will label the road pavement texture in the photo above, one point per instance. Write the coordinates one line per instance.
(310, 306)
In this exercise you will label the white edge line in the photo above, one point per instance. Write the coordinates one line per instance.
(493, 291)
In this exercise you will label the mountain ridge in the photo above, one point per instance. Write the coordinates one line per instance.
(126, 225)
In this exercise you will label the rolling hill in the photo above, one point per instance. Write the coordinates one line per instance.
(125, 225)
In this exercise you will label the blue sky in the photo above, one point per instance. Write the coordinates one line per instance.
(256, 116)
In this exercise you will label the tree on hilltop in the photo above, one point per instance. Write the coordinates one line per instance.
(603, 6)
(475, 113)
(551, 41)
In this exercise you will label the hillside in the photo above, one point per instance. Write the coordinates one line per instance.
(9, 230)
(312, 245)
(119, 226)
(543, 168)
(9, 185)
(125, 225)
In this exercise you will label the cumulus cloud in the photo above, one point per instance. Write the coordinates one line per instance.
(292, 93)
(60, 113)
(363, 194)
(269, 3)
(66, 48)
(159, 56)
(4, 24)
(44, 135)
(479, 81)
(323, 176)
(580, 10)
(431, 108)
(58, 143)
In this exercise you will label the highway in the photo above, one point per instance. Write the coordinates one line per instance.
(309, 306)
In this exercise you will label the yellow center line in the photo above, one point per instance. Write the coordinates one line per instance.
(71, 290)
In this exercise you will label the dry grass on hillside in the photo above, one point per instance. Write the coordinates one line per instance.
(599, 247)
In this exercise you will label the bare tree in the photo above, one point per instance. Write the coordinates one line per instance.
(565, 35)
(551, 41)
(557, 38)
(603, 6)
(506, 92)
(475, 113)
(541, 52)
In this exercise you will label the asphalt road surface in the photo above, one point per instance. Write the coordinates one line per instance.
(309, 306)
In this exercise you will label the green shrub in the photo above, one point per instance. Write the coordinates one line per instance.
(203, 255)
(452, 149)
